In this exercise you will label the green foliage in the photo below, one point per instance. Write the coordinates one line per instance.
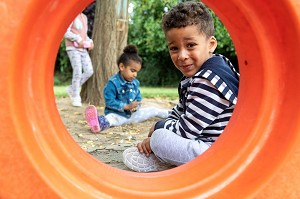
(145, 31)
(63, 68)
(225, 45)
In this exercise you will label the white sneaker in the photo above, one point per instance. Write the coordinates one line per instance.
(76, 102)
(70, 92)
(139, 162)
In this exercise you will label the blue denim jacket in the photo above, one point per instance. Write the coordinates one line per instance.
(118, 92)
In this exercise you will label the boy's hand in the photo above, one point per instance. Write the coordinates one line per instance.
(151, 130)
(144, 147)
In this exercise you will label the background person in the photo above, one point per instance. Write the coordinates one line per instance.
(77, 45)
(122, 96)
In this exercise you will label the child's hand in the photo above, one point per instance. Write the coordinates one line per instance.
(133, 106)
(151, 130)
(92, 46)
(144, 147)
(80, 45)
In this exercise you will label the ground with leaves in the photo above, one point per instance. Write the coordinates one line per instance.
(108, 145)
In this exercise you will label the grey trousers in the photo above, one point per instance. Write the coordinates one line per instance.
(174, 149)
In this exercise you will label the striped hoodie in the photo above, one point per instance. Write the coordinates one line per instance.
(206, 101)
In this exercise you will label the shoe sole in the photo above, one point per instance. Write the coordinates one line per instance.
(91, 116)
(139, 162)
(77, 105)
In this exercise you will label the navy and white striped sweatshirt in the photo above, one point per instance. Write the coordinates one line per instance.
(206, 101)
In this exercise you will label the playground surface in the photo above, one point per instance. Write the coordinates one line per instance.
(108, 145)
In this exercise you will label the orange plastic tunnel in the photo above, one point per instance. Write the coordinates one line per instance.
(258, 156)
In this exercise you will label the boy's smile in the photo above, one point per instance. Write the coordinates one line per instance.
(189, 48)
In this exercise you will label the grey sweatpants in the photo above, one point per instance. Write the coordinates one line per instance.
(174, 149)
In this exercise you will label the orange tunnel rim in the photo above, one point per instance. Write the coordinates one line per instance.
(69, 172)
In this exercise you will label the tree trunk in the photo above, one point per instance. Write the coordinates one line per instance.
(104, 54)
(122, 25)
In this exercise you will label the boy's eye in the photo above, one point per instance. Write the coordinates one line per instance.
(173, 48)
(191, 45)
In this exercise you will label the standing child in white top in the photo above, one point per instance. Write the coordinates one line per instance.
(77, 45)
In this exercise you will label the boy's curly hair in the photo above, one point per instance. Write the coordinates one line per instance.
(189, 13)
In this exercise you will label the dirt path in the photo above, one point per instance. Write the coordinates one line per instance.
(107, 146)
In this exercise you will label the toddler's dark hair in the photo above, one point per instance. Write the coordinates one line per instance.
(189, 13)
(130, 52)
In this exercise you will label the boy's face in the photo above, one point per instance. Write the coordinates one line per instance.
(130, 71)
(189, 48)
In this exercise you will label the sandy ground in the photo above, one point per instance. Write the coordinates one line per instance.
(108, 145)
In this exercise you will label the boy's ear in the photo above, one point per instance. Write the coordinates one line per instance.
(212, 44)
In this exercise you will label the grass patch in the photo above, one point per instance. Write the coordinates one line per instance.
(60, 91)
(157, 92)
(147, 92)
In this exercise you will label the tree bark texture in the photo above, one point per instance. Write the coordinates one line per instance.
(122, 26)
(104, 54)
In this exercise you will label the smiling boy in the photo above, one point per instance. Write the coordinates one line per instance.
(207, 94)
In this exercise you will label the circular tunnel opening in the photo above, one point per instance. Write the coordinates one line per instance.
(251, 134)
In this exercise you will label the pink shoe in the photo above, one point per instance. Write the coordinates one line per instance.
(91, 117)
